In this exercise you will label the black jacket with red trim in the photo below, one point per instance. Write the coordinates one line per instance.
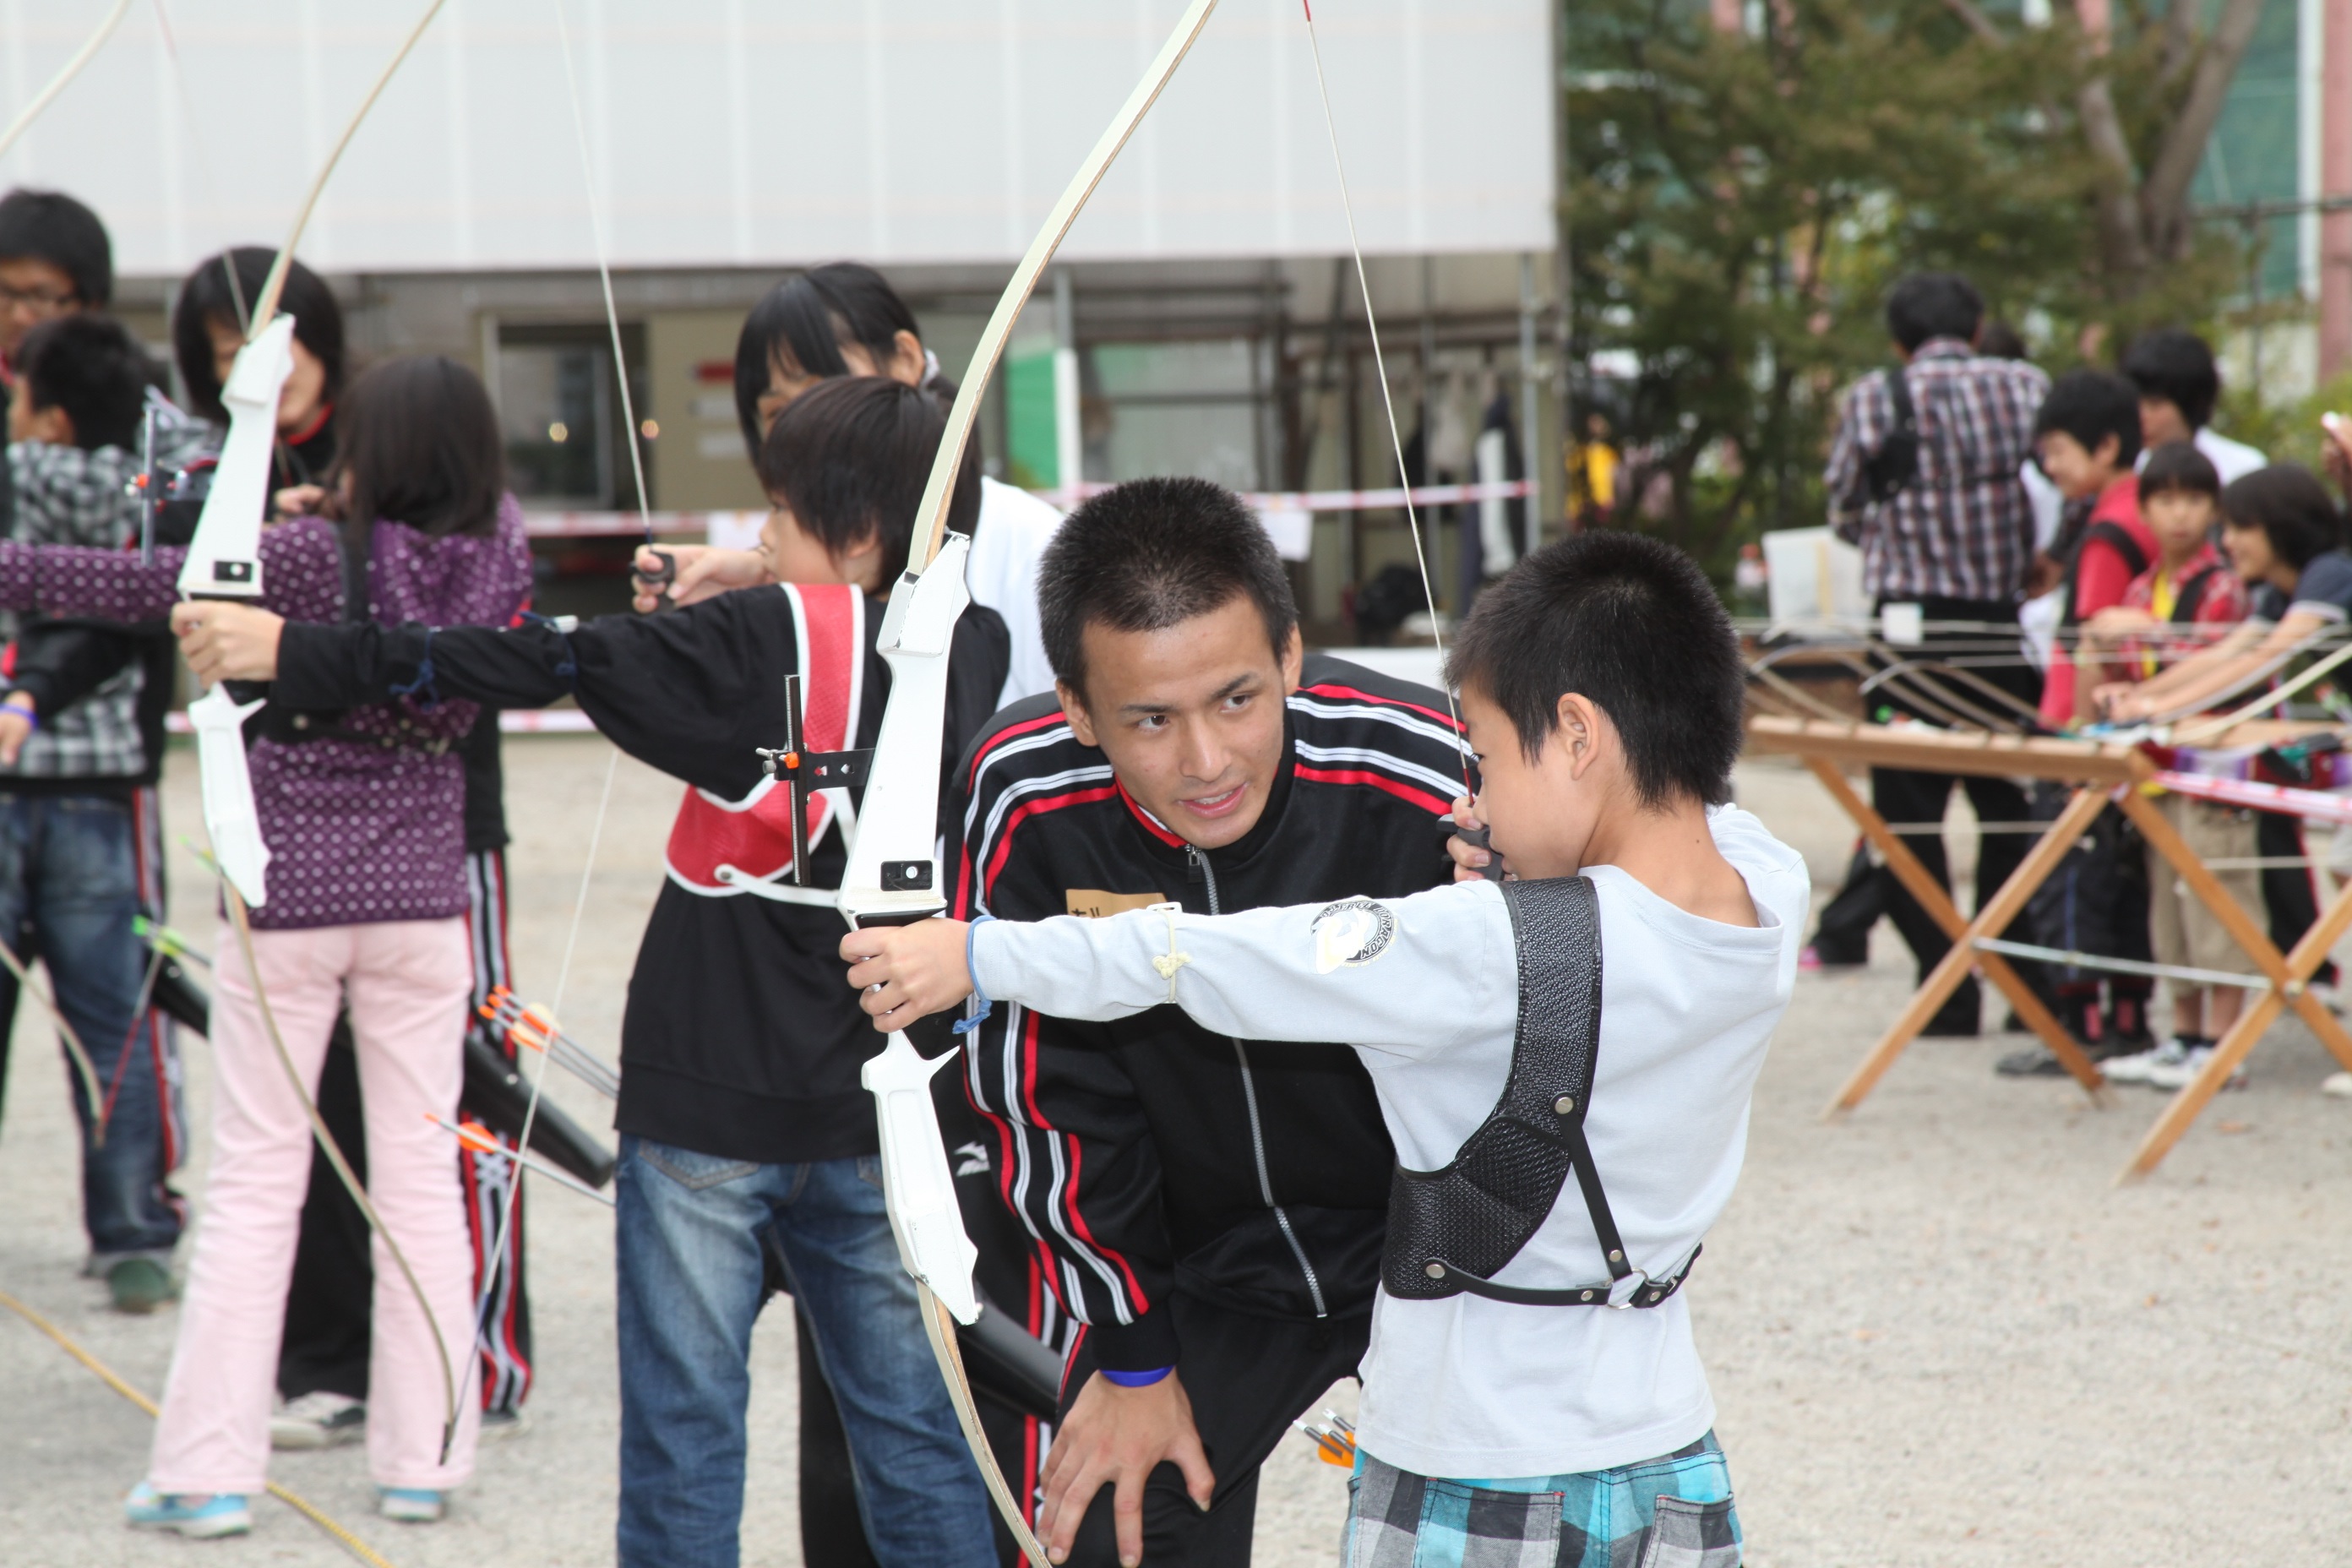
(1151, 1155)
(741, 1036)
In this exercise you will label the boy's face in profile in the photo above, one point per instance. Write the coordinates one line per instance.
(1191, 717)
(1543, 813)
(2179, 519)
(2077, 471)
(51, 426)
(793, 554)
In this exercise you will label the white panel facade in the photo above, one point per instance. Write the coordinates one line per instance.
(763, 132)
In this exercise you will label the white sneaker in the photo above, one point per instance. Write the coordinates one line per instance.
(2171, 1076)
(318, 1420)
(2339, 1084)
(2136, 1068)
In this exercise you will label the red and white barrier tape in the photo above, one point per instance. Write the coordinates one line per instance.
(527, 722)
(2322, 804)
(620, 524)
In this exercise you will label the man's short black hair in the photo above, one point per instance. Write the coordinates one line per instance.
(1932, 305)
(1633, 624)
(806, 322)
(223, 288)
(1150, 553)
(92, 368)
(2091, 405)
(854, 455)
(2178, 467)
(2171, 363)
(51, 226)
(2290, 505)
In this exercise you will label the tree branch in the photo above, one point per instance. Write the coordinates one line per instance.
(1982, 24)
(2164, 196)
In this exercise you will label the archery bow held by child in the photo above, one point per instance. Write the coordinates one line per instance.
(1604, 1012)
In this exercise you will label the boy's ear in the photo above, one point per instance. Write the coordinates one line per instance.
(1294, 661)
(1577, 729)
(51, 426)
(2110, 452)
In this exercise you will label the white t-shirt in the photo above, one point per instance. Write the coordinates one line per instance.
(2230, 460)
(1465, 1386)
(1013, 530)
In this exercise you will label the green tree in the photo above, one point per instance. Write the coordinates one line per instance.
(1737, 204)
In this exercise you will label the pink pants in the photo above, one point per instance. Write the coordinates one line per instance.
(406, 985)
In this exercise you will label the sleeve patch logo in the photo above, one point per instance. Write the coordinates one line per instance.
(1351, 932)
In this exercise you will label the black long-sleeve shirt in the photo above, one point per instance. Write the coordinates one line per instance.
(741, 1037)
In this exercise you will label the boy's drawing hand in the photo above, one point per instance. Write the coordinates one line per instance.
(1117, 1436)
(1470, 861)
(302, 500)
(16, 727)
(906, 973)
(228, 642)
(704, 572)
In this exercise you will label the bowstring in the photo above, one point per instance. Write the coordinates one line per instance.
(1388, 398)
(612, 767)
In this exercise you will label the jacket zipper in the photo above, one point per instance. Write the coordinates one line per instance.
(1257, 1134)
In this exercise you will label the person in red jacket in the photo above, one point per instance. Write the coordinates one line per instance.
(2086, 436)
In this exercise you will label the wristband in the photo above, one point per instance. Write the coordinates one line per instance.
(1137, 1379)
(966, 1025)
(28, 707)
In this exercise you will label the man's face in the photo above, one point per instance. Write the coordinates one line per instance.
(1191, 717)
(31, 291)
(2160, 421)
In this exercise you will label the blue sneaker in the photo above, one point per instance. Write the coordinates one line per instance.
(412, 1505)
(190, 1514)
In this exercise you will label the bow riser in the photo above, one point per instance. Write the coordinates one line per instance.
(224, 557)
(893, 874)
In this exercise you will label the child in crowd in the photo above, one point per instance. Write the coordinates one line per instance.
(2086, 436)
(362, 812)
(743, 1125)
(2188, 597)
(80, 751)
(1618, 1000)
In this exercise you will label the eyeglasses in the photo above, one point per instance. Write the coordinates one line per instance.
(48, 301)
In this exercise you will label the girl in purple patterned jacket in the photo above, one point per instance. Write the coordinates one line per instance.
(362, 812)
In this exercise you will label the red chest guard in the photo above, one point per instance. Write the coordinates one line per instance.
(717, 846)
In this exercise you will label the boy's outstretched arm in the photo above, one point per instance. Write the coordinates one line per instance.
(1413, 976)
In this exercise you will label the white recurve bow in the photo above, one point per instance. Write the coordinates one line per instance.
(893, 876)
(66, 73)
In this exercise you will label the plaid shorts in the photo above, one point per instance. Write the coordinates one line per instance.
(1671, 1512)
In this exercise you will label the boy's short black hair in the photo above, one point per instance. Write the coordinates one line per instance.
(2178, 465)
(2171, 363)
(2288, 503)
(1632, 624)
(1932, 305)
(212, 294)
(92, 368)
(2091, 405)
(806, 321)
(855, 455)
(420, 445)
(51, 226)
(1150, 553)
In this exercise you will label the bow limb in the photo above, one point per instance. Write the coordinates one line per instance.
(893, 876)
(66, 73)
(223, 560)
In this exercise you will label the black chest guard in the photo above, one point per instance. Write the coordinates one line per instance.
(1451, 1230)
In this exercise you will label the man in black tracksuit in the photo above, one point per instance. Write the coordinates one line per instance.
(1210, 1210)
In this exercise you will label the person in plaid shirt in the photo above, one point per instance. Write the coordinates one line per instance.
(79, 840)
(1953, 534)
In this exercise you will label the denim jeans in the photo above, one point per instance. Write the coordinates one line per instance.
(688, 1258)
(70, 874)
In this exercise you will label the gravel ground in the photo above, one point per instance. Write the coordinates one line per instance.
(1938, 1333)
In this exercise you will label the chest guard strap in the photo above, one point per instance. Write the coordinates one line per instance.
(1451, 1230)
